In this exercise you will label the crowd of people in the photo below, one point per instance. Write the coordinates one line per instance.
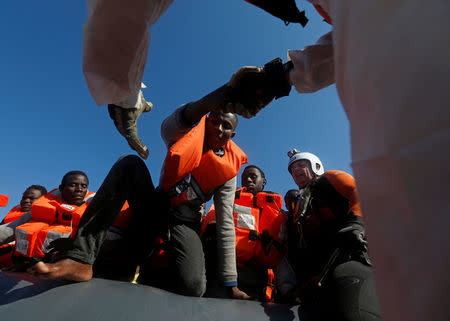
(246, 246)
(315, 252)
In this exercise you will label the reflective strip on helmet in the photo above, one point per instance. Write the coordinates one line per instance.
(51, 236)
(245, 219)
(21, 241)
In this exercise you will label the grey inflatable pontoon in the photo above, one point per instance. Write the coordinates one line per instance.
(24, 298)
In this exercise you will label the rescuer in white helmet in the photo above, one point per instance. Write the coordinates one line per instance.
(327, 245)
(304, 167)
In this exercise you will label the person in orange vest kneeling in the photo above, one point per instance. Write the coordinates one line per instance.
(29, 196)
(260, 236)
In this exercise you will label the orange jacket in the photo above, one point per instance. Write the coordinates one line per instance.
(7, 250)
(13, 214)
(4, 200)
(259, 224)
(51, 219)
(334, 202)
(191, 174)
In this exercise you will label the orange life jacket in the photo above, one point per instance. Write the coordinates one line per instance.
(190, 174)
(13, 214)
(334, 200)
(4, 200)
(259, 225)
(51, 219)
(7, 250)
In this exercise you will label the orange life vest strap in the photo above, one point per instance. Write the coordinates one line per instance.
(270, 287)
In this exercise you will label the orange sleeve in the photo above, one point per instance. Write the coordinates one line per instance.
(345, 185)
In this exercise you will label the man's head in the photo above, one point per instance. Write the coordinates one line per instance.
(73, 187)
(253, 179)
(219, 129)
(31, 194)
(304, 167)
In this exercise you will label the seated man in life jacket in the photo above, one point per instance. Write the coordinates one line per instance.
(201, 163)
(53, 216)
(29, 196)
(326, 242)
(260, 235)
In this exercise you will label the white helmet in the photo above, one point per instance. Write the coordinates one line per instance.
(314, 161)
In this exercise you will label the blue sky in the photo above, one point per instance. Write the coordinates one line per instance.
(51, 125)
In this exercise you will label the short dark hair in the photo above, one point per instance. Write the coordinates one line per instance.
(232, 115)
(256, 167)
(236, 119)
(40, 188)
(72, 173)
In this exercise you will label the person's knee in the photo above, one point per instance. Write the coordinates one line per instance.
(130, 164)
(192, 286)
(129, 159)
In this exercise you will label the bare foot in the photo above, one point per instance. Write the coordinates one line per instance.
(67, 269)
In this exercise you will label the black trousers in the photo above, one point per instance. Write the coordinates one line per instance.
(129, 179)
(348, 294)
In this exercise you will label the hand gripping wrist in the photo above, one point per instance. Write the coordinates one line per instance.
(276, 77)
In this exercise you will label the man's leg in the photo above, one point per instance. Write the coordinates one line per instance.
(353, 293)
(187, 261)
(129, 179)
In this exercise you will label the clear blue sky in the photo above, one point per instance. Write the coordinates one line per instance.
(51, 125)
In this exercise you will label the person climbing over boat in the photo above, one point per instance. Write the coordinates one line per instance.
(29, 196)
(326, 244)
(201, 163)
(260, 236)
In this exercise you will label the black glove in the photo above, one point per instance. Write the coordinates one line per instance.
(248, 92)
(352, 237)
(253, 88)
(290, 199)
(276, 77)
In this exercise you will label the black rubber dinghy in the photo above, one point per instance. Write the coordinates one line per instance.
(26, 298)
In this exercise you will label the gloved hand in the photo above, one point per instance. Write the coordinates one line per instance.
(352, 237)
(253, 88)
(248, 93)
(125, 120)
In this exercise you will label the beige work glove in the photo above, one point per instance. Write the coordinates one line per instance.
(125, 120)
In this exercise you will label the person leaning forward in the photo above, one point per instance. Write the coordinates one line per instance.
(190, 177)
